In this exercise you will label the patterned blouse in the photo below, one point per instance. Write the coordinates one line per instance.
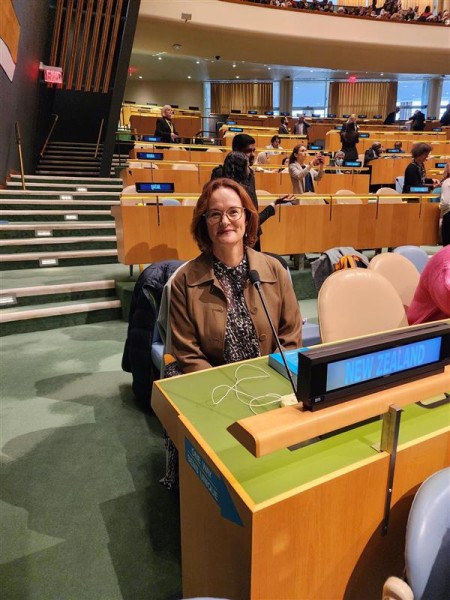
(241, 341)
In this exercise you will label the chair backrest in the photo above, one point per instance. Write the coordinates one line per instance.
(345, 200)
(170, 202)
(129, 189)
(184, 167)
(386, 191)
(390, 200)
(345, 193)
(399, 182)
(427, 545)
(361, 158)
(189, 202)
(355, 302)
(175, 148)
(262, 193)
(401, 273)
(310, 201)
(416, 255)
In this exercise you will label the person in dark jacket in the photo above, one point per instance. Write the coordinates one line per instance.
(373, 153)
(417, 121)
(415, 173)
(238, 166)
(165, 129)
(445, 119)
(390, 119)
(283, 129)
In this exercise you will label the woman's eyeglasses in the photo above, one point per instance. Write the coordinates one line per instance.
(233, 214)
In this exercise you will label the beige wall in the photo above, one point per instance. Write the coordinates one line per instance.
(183, 93)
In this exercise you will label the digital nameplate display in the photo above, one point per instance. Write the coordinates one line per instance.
(437, 128)
(236, 129)
(331, 116)
(151, 138)
(269, 113)
(150, 155)
(231, 122)
(345, 116)
(315, 147)
(362, 116)
(419, 189)
(338, 127)
(315, 115)
(149, 187)
(252, 112)
(377, 116)
(339, 372)
(352, 163)
(364, 135)
(440, 165)
(393, 150)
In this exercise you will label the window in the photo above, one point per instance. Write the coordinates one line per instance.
(276, 97)
(411, 95)
(310, 97)
(445, 96)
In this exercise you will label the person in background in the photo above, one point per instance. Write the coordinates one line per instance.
(284, 165)
(216, 316)
(303, 175)
(275, 144)
(338, 161)
(165, 129)
(444, 205)
(301, 127)
(349, 139)
(426, 14)
(431, 301)
(392, 117)
(399, 146)
(237, 166)
(445, 119)
(373, 153)
(284, 126)
(417, 121)
(415, 173)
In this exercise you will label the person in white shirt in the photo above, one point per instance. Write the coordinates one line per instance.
(301, 127)
(275, 144)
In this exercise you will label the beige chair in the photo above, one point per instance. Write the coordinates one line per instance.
(263, 193)
(400, 272)
(177, 148)
(361, 159)
(389, 196)
(387, 191)
(129, 189)
(310, 201)
(345, 193)
(346, 200)
(395, 588)
(184, 167)
(358, 302)
(189, 202)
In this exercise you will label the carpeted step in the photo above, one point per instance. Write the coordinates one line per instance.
(27, 260)
(11, 194)
(57, 244)
(54, 315)
(55, 215)
(26, 231)
(75, 204)
(64, 187)
(72, 180)
(65, 292)
(66, 173)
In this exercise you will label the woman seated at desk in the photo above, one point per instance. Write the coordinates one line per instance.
(216, 315)
(415, 173)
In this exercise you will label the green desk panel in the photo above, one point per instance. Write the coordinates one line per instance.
(266, 477)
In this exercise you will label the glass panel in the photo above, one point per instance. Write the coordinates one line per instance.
(445, 96)
(410, 95)
(310, 97)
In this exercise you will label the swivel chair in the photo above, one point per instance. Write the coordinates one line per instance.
(416, 255)
(400, 272)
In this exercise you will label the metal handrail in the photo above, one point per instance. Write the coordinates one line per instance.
(56, 117)
(19, 147)
(98, 138)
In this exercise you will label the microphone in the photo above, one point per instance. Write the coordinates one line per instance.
(256, 281)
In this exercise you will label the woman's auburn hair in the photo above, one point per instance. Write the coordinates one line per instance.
(199, 227)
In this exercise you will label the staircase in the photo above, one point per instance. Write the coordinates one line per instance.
(70, 159)
(49, 235)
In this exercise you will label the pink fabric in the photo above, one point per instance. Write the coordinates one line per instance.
(432, 298)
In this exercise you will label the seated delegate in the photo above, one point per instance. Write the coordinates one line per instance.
(431, 301)
(372, 153)
(216, 315)
(415, 173)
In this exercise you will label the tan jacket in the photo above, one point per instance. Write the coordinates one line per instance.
(198, 311)
(298, 174)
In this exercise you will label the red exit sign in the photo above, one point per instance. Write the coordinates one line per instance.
(53, 76)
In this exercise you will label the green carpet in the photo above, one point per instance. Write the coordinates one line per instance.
(83, 514)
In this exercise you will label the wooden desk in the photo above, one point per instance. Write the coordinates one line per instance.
(187, 126)
(142, 238)
(387, 138)
(302, 524)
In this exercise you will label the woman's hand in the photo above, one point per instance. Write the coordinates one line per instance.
(286, 199)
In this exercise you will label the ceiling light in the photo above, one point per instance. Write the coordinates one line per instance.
(159, 58)
(189, 77)
(382, 74)
(234, 66)
(176, 46)
(197, 62)
(237, 76)
(346, 72)
(140, 76)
